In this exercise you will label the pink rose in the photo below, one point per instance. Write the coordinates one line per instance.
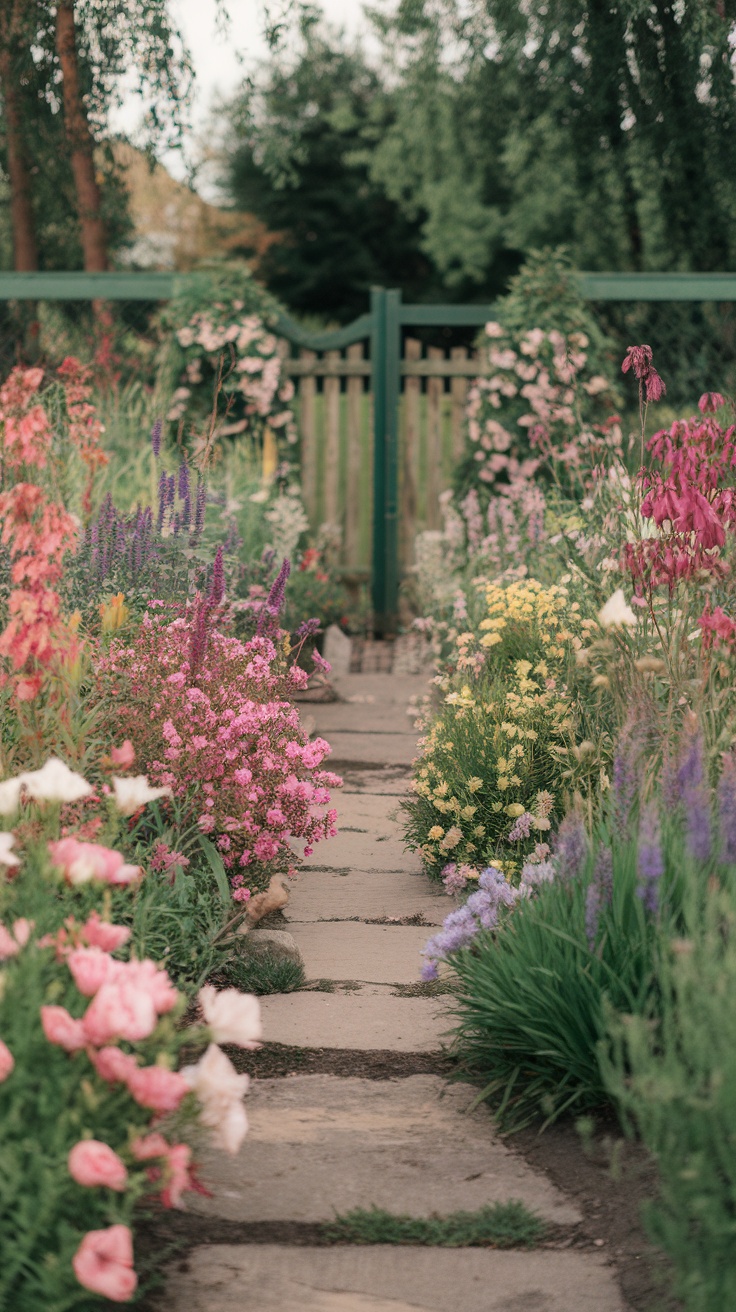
(93, 1163)
(81, 862)
(232, 1016)
(119, 1010)
(91, 968)
(112, 1064)
(61, 1028)
(147, 975)
(177, 1159)
(151, 1145)
(7, 1061)
(103, 1263)
(157, 1088)
(101, 934)
(8, 945)
(123, 756)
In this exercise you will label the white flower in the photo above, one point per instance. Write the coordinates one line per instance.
(10, 795)
(616, 612)
(55, 782)
(7, 855)
(220, 1090)
(233, 1017)
(130, 794)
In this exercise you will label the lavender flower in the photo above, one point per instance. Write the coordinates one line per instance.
(537, 872)
(170, 490)
(156, 437)
(200, 506)
(277, 594)
(693, 790)
(521, 828)
(183, 480)
(217, 586)
(308, 628)
(571, 847)
(650, 859)
(727, 808)
(625, 776)
(163, 496)
(600, 891)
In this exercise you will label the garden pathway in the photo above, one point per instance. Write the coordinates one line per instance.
(325, 1143)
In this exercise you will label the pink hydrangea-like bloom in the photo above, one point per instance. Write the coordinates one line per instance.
(7, 1061)
(119, 1010)
(112, 1064)
(103, 1263)
(62, 1029)
(92, 1163)
(157, 1088)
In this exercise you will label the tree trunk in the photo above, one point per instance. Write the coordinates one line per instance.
(25, 249)
(81, 144)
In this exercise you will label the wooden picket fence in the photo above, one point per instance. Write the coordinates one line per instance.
(334, 408)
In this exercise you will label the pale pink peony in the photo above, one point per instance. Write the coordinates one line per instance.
(157, 1088)
(101, 934)
(220, 1090)
(93, 1163)
(61, 1028)
(177, 1162)
(112, 1064)
(91, 968)
(81, 862)
(232, 1016)
(120, 1010)
(150, 1145)
(147, 975)
(7, 1061)
(123, 756)
(103, 1263)
(9, 947)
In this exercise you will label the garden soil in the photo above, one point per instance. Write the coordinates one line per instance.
(353, 1104)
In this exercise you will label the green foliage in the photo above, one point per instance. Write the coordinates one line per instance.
(532, 997)
(503, 1225)
(257, 971)
(674, 1075)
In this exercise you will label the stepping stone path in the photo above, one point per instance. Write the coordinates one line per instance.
(322, 1144)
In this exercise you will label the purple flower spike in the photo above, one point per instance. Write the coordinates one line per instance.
(217, 587)
(727, 808)
(600, 891)
(694, 793)
(571, 847)
(184, 491)
(156, 438)
(200, 506)
(308, 628)
(650, 859)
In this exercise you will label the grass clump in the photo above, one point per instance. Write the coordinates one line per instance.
(502, 1225)
(264, 972)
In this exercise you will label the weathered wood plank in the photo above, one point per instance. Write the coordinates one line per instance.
(318, 368)
(331, 477)
(410, 457)
(354, 492)
(308, 438)
(458, 392)
(435, 391)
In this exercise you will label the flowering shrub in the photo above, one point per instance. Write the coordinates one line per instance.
(487, 777)
(88, 1049)
(210, 717)
(224, 340)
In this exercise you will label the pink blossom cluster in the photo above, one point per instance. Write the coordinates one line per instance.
(691, 500)
(229, 744)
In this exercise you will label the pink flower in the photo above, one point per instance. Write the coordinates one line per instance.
(22, 930)
(157, 1088)
(233, 1017)
(710, 402)
(7, 1061)
(112, 1064)
(124, 756)
(220, 1090)
(177, 1159)
(91, 968)
(103, 1263)
(61, 1028)
(81, 862)
(101, 934)
(9, 946)
(147, 975)
(93, 1163)
(120, 1010)
(151, 1145)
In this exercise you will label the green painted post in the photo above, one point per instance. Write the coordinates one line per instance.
(386, 379)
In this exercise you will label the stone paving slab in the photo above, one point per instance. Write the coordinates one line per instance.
(366, 812)
(320, 1144)
(367, 717)
(376, 954)
(369, 1018)
(387, 781)
(351, 850)
(372, 749)
(386, 690)
(365, 894)
(274, 1278)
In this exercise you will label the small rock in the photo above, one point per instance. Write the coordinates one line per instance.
(337, 649)
(276, 942)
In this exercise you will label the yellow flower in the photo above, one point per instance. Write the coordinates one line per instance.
(503, 783)
(113, 613)
(474, 784)
(479, 831)
(490, 639)
(442, 789)
(515, 809)
(503, 764)
(468, 812)
(435, 832)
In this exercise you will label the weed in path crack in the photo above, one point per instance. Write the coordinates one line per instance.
(503, 1225)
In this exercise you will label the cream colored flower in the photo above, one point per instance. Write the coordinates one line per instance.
(616, 613)
(232, 1016)
(220, 1090)
(436, 832)
(55, 782)
(131, 794)
(7, 856)
(474, 784)
(10, 795)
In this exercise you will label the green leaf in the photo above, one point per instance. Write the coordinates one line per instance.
(216, 866)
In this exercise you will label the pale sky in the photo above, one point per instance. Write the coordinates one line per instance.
(220, 62)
